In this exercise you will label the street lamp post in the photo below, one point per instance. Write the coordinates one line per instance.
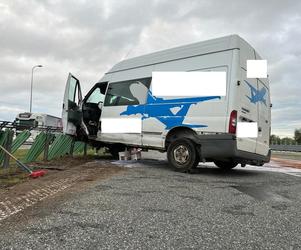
(36, 66)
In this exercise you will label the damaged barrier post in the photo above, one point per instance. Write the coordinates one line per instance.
(48, 139)
(8, 146)
(72, 146)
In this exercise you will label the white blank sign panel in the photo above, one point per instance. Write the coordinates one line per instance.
(121, 125)
(176, 83)
(247, 129)
(257, 68)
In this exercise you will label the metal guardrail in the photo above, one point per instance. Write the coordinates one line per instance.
(291, 148)
(13, 125)
(7, 124)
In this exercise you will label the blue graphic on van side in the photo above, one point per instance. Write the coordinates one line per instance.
(256, 95)
(160, 109)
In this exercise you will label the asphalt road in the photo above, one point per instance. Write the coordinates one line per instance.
(151, 207)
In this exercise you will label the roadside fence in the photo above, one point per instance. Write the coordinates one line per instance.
(48, 144)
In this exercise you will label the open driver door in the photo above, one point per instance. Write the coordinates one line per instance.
(72, 114)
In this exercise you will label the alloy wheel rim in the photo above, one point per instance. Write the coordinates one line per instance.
(181, 154)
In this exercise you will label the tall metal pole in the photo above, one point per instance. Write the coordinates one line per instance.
(31, 84)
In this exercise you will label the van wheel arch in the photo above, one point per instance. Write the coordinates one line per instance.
(179, 132)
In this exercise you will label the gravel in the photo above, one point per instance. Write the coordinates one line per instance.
(152, 207)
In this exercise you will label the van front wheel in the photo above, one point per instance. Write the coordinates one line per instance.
(182, 154)
(225, 165)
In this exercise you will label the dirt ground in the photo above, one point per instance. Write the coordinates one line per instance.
(287, 162)
(67, 169)
(74, 169)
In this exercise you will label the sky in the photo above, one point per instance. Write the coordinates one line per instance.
(87, 38)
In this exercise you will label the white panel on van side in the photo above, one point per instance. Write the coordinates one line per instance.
(196, 83)
(121, 125)
(257, 68)
(247, 129)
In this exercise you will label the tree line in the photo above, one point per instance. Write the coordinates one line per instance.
(275, 139)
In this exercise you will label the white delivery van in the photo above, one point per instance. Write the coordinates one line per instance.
(189, 129)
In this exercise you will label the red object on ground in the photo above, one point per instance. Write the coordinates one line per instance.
(38, 173)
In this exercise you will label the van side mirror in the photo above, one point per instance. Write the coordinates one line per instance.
(271, 105)
(100, 104)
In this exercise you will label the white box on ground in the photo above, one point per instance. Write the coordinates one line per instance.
(177, 83)
(124, 156)
(257, 68)
(247, 129)
(121, 125)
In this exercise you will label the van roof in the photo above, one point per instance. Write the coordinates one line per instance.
(195, 49)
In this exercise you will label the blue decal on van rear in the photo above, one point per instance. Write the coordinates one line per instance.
(256, 95)
(160, 109)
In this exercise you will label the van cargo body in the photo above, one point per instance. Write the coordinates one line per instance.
(190, 128)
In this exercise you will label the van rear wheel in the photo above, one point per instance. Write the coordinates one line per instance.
(182, 154)
(225, 165)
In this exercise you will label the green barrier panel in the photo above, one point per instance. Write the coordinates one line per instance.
(37, 148)
(49, 139)
(55, 147)
(60, 146)
(78, 147)
(19, 140)
(65, 146)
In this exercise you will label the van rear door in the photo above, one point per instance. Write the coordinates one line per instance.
(247, 109)
(71, 113)
(264, 117)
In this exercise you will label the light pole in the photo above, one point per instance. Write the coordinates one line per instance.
(36, 66)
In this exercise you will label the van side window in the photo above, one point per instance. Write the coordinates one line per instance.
(132, 92)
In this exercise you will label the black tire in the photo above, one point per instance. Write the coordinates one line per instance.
(182, 155)
(115, 149)
(225, 165)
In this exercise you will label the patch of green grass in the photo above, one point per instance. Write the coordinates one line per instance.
(287, 155)
(20, 154)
